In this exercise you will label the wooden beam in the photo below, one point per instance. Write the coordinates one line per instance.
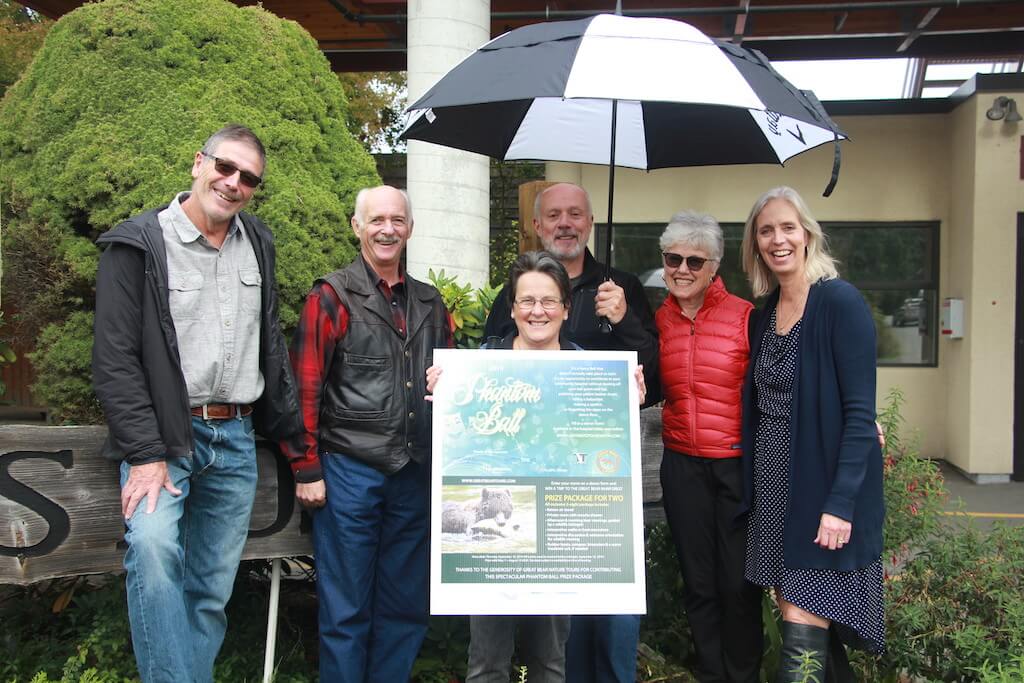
(916, 33)
(60, 511)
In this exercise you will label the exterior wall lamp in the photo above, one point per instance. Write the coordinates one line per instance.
(1005, 109)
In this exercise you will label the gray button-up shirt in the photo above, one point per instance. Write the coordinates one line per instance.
(215, 298)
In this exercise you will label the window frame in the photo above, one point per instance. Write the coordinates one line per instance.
(934, 227)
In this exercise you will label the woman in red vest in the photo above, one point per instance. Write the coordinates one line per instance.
(704, 351)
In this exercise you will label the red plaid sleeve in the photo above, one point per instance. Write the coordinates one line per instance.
(321, 325)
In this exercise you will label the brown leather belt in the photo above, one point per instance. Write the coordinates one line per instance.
(222, 411)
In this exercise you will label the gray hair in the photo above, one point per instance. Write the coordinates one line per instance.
(536, 200)
(695, 230)
(538, 262)
(818, 265)
(360, 205)
(234, 132)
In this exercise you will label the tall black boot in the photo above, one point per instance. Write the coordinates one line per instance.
(802, 643)
(838, 669)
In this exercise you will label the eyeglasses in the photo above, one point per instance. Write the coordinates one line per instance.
(548, 303)
(694, 263)
(228, 169)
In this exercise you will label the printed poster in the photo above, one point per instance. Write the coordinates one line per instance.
(536, 484)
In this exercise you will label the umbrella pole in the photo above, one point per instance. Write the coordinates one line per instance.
(604, 324)
(611, 192)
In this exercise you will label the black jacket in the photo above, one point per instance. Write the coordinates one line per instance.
(635, 332)
(135, 364)
(372, 407)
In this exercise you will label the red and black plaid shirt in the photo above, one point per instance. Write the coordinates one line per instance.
(322, 325)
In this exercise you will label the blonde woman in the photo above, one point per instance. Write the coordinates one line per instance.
(813, 465)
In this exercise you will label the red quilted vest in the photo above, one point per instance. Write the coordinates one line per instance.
(703, 363)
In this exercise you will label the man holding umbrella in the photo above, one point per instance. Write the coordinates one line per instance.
(600, 648)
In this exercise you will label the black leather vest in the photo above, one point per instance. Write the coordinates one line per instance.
(372, 407)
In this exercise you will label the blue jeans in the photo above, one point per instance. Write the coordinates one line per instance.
(602, 649)
(182, 557)
(371, 558)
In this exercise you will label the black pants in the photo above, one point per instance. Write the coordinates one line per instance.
(701, 497)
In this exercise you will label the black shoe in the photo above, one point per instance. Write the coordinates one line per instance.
(804, 653)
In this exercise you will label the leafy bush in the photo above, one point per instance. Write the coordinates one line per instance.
(153, 79)
(956, 608)
(467, 307)
(914, 488)
(666, 643)
(21, 34)
(63, 359)
(7, 355)
(954, 595)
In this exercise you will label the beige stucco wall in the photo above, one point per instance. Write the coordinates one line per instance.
(958, 169)
(991, 299)
(954, 355)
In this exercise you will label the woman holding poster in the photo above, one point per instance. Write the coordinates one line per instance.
(539, 292)
(813, 466)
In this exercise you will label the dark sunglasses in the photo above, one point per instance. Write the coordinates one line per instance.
(228, 169)
(694, 263)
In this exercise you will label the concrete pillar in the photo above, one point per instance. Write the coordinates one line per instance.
(449, 189)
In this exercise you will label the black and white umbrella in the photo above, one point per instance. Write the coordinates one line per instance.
(666, 93)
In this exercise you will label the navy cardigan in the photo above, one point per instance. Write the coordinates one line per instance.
(835, 463)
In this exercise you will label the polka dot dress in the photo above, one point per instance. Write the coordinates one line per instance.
(852, 600)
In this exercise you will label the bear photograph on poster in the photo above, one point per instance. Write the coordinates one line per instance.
(489, 519)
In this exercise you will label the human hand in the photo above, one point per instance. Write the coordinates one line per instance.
(641, 384)
(311, 495)
(881, 434)
(145, 481)
(833, 532)
(433, 374)
(610, 302)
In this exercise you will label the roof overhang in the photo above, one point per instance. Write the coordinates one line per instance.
(370, 35)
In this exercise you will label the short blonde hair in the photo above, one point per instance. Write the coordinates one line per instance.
(819, 264)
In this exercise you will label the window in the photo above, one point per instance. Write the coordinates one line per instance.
(894, 265)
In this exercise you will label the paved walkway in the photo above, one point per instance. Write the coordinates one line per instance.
(985, 503)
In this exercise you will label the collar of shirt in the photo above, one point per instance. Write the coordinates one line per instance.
(394, 295)
(185, 229)
(382, 284)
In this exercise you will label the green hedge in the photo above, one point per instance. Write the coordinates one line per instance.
(105, 123)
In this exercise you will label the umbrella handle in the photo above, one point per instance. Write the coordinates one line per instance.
(604, 325)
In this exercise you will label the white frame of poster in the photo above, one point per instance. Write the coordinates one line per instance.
(571, 481)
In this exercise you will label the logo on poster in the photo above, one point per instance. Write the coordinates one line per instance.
(608, 461)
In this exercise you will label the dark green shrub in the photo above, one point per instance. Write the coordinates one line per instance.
(665, 629)
(62, 359)
(106, 120)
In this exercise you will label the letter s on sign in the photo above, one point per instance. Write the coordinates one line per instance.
(55, 516)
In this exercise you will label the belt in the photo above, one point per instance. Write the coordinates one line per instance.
(222, 411)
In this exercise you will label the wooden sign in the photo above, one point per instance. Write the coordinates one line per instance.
(60, 510)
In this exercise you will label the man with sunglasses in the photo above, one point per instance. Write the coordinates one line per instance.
(600, 648)
(188, 361)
